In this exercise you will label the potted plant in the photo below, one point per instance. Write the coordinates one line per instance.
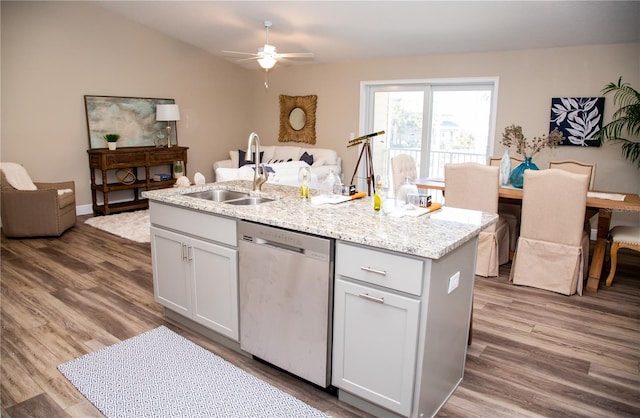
(626, 118)
(111, 140)
(513, 136)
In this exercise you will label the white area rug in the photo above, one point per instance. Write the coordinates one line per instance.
(130, 225)
(161, 374)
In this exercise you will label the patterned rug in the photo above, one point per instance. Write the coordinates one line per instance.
(161, 374)
(130, 225)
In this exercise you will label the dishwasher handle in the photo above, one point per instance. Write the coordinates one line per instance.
(273, 244)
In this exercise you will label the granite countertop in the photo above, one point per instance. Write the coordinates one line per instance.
(431, 235)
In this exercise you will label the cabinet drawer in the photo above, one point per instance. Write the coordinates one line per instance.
(208, 226)
(379, 267)
(125, 159)
(167, 155)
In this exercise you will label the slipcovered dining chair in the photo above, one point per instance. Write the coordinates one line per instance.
(580, 167)
(475, 186)
(511, 212)
(622, 237)
(577, 167)
(402, 166)
(553, 248)
(31, 209)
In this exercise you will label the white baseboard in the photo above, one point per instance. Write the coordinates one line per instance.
(84, 209)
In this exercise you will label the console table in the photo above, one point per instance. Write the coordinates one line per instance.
(135, 164)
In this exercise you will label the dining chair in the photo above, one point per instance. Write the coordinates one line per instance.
(577, 167)
(553, 249)
(511, 212)
(402, 166)
(580, 167)
(475, 186)
(622, 237)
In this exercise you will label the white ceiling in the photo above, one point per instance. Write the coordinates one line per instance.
(355, 30)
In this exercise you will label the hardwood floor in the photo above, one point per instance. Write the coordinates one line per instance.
(534, 353)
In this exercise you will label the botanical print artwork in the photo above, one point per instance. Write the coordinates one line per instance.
(578, 118)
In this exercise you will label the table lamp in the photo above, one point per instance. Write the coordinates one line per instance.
(167, 113)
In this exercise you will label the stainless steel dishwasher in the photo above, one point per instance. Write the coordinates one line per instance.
(286, 299)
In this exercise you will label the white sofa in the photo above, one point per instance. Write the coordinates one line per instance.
(285, 162)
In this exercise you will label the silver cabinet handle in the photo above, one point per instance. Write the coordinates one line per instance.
(189, 253)
(371, 298)
(184, 252)
(372, 270)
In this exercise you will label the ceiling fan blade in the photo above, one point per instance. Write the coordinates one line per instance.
(296, 55)
(241, 53)
(247, 59)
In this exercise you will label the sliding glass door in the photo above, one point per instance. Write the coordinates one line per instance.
(436, 122)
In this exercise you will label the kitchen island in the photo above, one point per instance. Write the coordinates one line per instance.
(401, 287)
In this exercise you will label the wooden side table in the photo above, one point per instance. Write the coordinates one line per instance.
(132, 168)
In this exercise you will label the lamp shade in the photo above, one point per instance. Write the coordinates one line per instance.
(167, 112)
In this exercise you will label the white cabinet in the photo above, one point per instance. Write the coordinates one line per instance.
(400, 327)
(375, 338)
(194, 276)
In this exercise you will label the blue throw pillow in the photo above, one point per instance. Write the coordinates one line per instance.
(241, 158)
(307, 158)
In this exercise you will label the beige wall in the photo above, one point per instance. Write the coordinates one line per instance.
(54, 53)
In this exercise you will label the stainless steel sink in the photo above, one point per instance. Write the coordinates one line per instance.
(249, 201)
(218, 195)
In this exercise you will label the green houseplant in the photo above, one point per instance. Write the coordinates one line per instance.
(626, 119)
(111, 140)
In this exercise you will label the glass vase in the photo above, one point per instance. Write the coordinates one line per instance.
(517, 175)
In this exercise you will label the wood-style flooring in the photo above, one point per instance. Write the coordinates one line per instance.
(534, 353)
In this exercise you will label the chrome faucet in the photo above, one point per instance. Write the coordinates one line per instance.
(258, 179)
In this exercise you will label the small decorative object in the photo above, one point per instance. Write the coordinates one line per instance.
(627, 118)
(331, 184)
(505, 168)
(126, 176)
(298, 119)
(304, 174)
(198, 179)
(178, 169)
(111, 139)
(183, 181)
(404, 190)
(579, 119)
(517, 175)
(513, 136)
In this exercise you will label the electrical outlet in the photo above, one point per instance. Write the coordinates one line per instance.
(454, 281)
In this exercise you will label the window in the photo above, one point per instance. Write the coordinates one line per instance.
(436, 122)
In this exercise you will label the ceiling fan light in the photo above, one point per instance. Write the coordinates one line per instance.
(267, 62)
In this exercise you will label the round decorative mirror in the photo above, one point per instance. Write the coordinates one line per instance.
(297, 118)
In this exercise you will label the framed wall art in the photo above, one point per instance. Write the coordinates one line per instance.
(298, 119)
(578, 118)
(133, 118)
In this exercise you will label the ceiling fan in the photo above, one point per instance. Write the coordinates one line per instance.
(267, 56)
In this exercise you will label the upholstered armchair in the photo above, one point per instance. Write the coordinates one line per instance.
(34, 209)
(475, 186)
(553, 248)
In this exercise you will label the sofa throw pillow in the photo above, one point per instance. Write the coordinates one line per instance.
(307, 158)
(241, 158)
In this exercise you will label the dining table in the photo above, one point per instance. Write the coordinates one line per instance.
(604, 203)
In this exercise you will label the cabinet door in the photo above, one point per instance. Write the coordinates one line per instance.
(215, 287)
(171, 281)
(374, 344)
